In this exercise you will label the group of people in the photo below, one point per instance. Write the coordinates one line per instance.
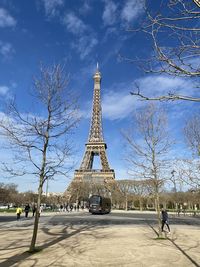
(70, 207)
(27, 209)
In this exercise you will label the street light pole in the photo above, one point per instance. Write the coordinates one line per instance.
(47, 186)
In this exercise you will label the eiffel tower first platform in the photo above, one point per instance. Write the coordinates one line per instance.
(87, 179)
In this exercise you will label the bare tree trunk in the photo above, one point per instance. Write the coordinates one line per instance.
(157, 202)
(36, 222)
(126, 199)
(141, 204)
(133, 204)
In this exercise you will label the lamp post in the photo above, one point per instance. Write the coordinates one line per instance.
(47, 186)
(175, 189)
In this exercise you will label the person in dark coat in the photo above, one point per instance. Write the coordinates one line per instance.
(33, 209)
(26, 210)
(164, 218)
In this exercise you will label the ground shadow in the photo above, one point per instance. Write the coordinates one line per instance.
(177, 246)
(58, 237)
(184, 253)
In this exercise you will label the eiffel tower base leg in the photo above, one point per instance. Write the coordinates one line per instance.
(86, 183)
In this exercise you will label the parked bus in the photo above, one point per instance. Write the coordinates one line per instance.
(99, 204)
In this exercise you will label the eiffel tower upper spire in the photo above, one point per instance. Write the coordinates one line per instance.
(96, 132)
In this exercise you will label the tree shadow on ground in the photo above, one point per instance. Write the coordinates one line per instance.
(58, 237)
(74, 247)
(178, 247)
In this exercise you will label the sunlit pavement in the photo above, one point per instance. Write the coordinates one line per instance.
(117, 239)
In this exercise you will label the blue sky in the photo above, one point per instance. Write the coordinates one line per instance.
(78, 33)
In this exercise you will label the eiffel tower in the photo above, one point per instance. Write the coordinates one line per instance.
(103, 178)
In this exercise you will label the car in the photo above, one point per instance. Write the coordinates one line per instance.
(2, 207)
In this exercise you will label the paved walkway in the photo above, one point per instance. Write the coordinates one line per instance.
(88, 245)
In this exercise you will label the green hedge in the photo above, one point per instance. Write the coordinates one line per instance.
(11, 210)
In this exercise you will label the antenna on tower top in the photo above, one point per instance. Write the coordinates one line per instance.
(97, 65)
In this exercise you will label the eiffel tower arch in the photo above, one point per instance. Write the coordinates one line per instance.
(86, 179)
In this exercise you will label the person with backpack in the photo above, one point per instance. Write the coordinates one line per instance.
(165, 218)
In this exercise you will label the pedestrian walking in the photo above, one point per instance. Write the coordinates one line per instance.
(195, 209)
(61, 208)
(26, 210)
(18, 212)
(33, 209)
(71, 207)
(67, 207)
(40, 210)
(165, 218)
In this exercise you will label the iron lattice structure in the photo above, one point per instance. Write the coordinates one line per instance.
(96, 145)
(86, 178)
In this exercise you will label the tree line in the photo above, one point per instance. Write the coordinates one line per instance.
(135, 195)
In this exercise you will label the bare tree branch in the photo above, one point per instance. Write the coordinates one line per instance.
(175, 36)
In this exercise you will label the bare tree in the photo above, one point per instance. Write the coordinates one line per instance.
(175, 34)
(192, 133)
(140, 189)
(40, 142)
(147, 144)
(133, 188)
(8, 193)
(126, 189)
(189, 170)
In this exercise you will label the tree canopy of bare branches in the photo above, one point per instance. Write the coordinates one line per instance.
(147, 146)
(175, 34)
(189, 169)
(192, 133)
(40, 142)
(130, 187)
(7, 193)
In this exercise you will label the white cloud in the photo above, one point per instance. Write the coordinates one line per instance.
(3, 90)
(86, 7)
(74, 24)
(132, 9)
(86, 39)
(6, 49)
(155, 85)
(84, 45)
(109, 14)
(6, 20)
(117, 105)
(51, 6)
